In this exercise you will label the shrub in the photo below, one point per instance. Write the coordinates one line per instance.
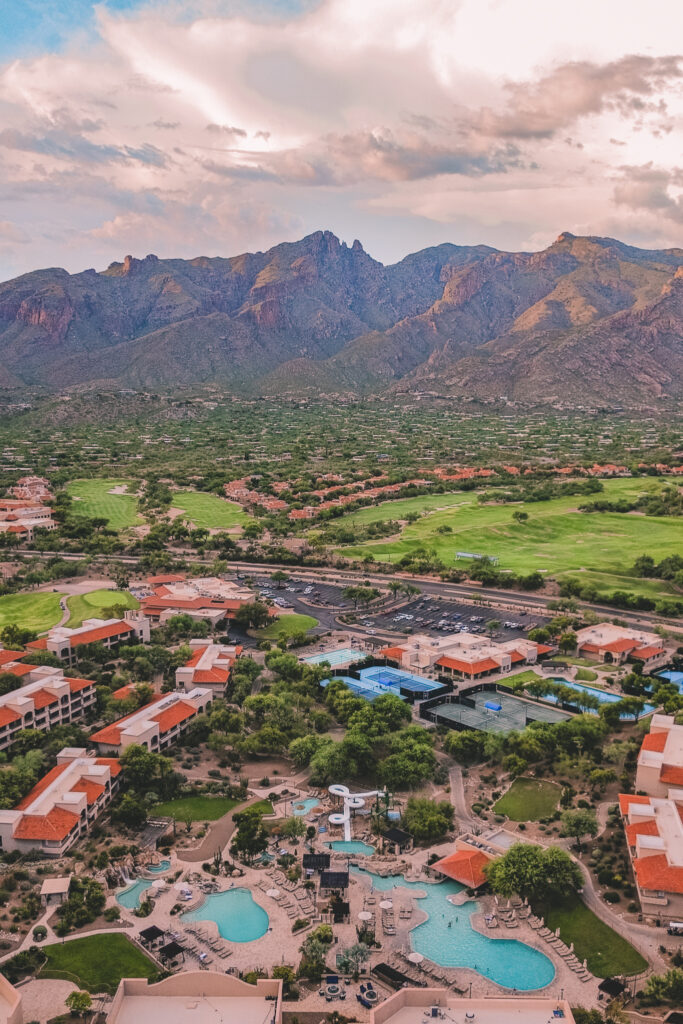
(612, 897)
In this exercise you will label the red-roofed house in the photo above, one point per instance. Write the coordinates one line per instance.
(211, 665)
(615, 644)
(465, 865)
(46, 698)
(209, 598)
(64, 642)
(654, 833)
(62, 806)
(660, 760)
(156, 725)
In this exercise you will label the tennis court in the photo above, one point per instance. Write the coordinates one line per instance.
(493, 712)
(367, 690)
(394, 679)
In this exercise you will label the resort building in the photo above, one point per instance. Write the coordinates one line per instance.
(201, 996)
(22, 518)
(45, 698)
(65, 642)
(463, 656)
(156, 725)
(35, 489)
(62, 806)
(660, 761)
(203, 597)
(465, 865)
(10, 1003)
(211, 665)
(617, 644)
(413, 1005)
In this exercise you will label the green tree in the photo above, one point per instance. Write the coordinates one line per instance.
(280, 578)
(79, 1003)
(427, 819)
(294, 828)
(579, 822)
(467, 747)
(567, 642)
(534, 873)
(251, 837)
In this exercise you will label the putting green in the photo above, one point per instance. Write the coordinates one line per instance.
(93, 498)
(90, 606)
(287, 624)
(557, 538)
(208, 511)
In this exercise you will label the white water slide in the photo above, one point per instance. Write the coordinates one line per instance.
(352, 802)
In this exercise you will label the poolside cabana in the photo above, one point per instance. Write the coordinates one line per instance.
(171, 951)
(465, 865)
(334, 881)
(148, 936)
(315, 861)
(399, 839)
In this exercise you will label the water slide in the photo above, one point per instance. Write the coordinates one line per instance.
(352, 802)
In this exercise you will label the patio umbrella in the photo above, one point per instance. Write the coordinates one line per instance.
(386, 904)
(415, 958)
(365, 915)
(273, 892)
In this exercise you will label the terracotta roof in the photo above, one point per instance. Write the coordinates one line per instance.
(41, 786)
(591, 647)
(640, 828)
(211, 675)
(79, 684)
(626, 799)
(648, 652)
(93, 636)
(41, 698)
(516, 656)
(196, 657)
(671, 774)
(543, 649)
(465, 866)
(114, 765)
(19, 670)
(469, 668)
(38, 645)
(620, 646)
(392, 652)
(654, 741)
(111, 734)
(655, 873)
(7, 716)
(55, 825)
(7, 656)
(123, 691)
(93, 791)
(174, 715)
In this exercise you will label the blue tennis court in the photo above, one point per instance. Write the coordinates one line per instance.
(394, 679)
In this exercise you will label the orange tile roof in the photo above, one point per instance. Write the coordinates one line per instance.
(79, 684)
(516, 656)
(174, 715)
(123, 691)
(619, 646)
(211, 675)
(640, 828)
(7, 716)
(648, 652)
(7, 656)
(465, 866)
(41, 786)
(114, 765)
(93, 791)
(19, 670)
(470, 669)
(111, 734)
(543, 649)
(671, 774)
(591, 647)
(392, 652)
(93, 636)
(626, 799)
(55, 825)
(654, 741)
(38, 645)
(655, 873)
(41, 698)
(196, 657)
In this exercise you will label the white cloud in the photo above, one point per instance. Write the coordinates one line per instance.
(230, 132)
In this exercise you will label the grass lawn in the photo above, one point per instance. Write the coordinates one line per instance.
(402, 507)
(586, 675)
(196, 808)
(209, 512)
(89, 606)
(97, 962)
(529, 800)
(264, 806)
(606, 952)
(556, 538)
(32, 611)
(92, 498)
(519, 677)
(287, 624)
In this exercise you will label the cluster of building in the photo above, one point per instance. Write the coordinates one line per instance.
(44, 698)
(653, 819)
(35, 489)
(202, 597)
(65, 643)
(360, 490)
(241, 492)
(62, 806)
(21, 517)
(210, 665)
(464, 655)
(156, 724)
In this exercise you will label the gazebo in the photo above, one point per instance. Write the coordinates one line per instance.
(148, 936)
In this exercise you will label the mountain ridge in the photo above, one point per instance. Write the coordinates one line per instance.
(587, 318)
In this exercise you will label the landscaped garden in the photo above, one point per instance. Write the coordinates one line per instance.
(97, 962)
(529, 800)
(606, 952)
(91, 606)
(196, 808)
(210, 512)
(94, 498)
(37, 611)
(287, 624)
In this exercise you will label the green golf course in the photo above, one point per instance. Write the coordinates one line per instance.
(208, 511)
(93, 498)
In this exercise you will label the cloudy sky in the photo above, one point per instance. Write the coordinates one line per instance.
(210, 127)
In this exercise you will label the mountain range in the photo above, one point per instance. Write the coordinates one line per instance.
(587, 321)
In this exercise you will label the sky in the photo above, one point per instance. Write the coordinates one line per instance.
(213, 127)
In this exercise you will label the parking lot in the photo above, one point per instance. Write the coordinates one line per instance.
(438, 617)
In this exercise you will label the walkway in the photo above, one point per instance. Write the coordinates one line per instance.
(217, 838)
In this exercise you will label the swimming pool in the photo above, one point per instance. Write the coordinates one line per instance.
(131, 896)
(603, 696)
(156, 869)
(300, 808)
(673, 677)
(340, 657)
(238, 916)
(352, 846)
(447, 938)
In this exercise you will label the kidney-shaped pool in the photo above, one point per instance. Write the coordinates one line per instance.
(238, 916)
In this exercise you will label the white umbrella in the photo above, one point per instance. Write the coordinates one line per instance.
(365, 915)
(386, 904)
(273, 892)
(557, 932)
(415, 958)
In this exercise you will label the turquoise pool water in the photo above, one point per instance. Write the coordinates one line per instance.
(238, 916)
(602, 695)
(673, 677)
(157, 869)
(300, 808)
(352, 846)
(448, 939)
(131, 896)
(333, 658)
